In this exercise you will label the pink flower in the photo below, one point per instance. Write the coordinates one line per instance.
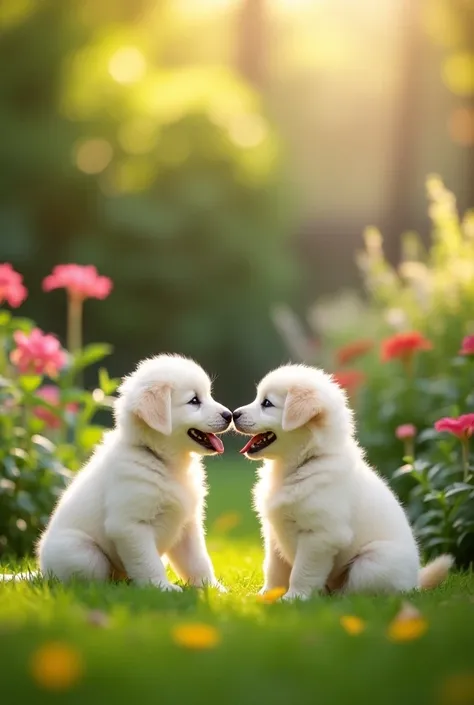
(37, 353)
(467, 345)
(81, 282)
(11, 286)
(462, 427)
(406, 430)
(50, 393)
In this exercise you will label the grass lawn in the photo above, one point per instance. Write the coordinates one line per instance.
(117, 643)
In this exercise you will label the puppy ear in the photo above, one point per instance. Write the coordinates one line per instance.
(154, 408)
(301, 406)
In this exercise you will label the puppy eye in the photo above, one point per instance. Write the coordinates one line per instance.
(195, 401)
(266, 404)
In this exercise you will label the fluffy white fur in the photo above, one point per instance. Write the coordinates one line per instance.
(141, 496)
(329, 522)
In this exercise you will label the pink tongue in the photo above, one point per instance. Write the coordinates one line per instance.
(216, 443)
(248, 445)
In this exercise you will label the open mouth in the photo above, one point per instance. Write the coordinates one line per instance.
(259, 442)
(209, 441)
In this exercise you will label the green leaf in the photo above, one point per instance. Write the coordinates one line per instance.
(427, 517)
(23, 324)
(433, 496)
(74, 395)
(91, 354)
(5, 318)
(431, 530)
(404, 471)
(438, 541)
(25, 502)
(464, 536)
(90, 436)
(30, 383)
(458, 487)
(107, 385)
(443, 469)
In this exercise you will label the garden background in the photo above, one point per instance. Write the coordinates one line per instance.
(255, 181)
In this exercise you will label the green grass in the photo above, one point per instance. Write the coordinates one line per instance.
(268, 654)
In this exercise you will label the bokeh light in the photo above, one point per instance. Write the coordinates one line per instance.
(458, 73)
(247, 130)
(127, 65)
(93, 156)
(461, 126)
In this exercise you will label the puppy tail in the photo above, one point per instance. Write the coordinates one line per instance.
(433, 574)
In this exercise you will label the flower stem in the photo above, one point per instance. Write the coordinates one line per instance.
(465, 457)
(74, 324)
(409, 448)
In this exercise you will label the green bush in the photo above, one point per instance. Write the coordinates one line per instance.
(48, 423)
(419, 312)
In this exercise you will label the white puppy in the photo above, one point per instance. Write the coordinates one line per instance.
(329, 522)
(142, 493)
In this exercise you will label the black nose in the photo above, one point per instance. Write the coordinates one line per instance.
(227, 416)
(237, 414)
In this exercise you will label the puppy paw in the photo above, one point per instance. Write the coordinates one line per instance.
(215, 584)
(168, 587)
(292, 595)
(218, 586)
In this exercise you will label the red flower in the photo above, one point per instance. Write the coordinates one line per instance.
(80, 282)
(11, 286)
(37, 353)
(50, 393)
(353, 350)
(404, 345)
(462, 426)
(467, 345)
(349, 380)
(405, 431)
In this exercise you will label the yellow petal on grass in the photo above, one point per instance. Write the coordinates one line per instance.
(458, 689)
(271, 595)
(56, 666)
(226, 522)
(352, 625)
(408, 625)
(196, 636)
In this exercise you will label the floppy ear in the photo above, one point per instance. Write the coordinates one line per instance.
(301, 406)
(154, 408)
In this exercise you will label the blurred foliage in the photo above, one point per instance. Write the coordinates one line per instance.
(41, 442)
(439, 499)
(431, 291)
(165, 178)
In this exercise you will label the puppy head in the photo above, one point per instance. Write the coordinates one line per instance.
(297, 408)
(170, 397)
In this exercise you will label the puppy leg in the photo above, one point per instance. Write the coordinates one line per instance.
(72, 554)
(383, 567)
(136, 547)
(313, 563)
(276, 570)
(190, 560)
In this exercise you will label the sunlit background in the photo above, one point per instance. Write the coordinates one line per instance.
(218, 158)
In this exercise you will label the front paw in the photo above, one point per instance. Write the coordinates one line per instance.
(292, 595)
(220, 588)
(167, 587)
(215, 584)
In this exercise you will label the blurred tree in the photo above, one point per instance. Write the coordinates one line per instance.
(166, 179)
(251, 41)
(407, 124)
